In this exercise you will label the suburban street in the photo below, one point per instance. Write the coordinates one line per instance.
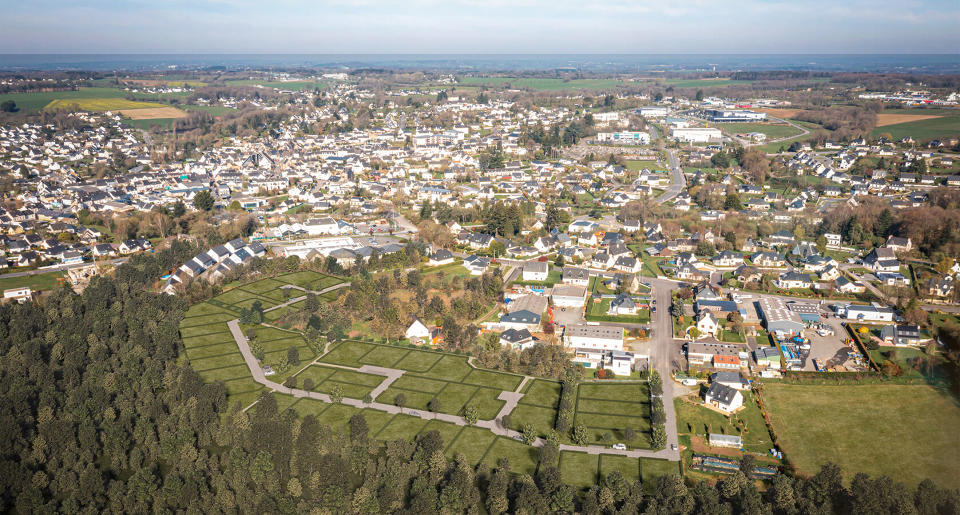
(677, 179)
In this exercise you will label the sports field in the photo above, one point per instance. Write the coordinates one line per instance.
(907, 432)
(773, 131)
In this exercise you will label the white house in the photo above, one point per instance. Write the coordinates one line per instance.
(707, 324)
(535, 271)
(603, 337)
(723, 397)
(441, 257)
(20, 295)
(418, 332)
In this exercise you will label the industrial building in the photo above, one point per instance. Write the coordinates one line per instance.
(624, 137)
(808, 313)
(696, 134)
(778, 318)
(652, 111)
(866, 313)
(733, 115)
(569, 296)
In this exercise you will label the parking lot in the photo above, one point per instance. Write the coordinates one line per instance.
(568, 316)
(825, 348)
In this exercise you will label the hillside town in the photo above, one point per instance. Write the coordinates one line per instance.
(708, 244)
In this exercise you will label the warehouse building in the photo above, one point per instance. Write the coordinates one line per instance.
(733, 115)
(778, 318)
(696, 134)
(808, 313)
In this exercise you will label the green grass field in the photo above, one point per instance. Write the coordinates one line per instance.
(214, 110)
(33, 102)
(37, 282)
(150, 123)
(284, 85)
(429, 375)
(772, 131)
(640, 165)
(99, 104)
(579, 469)
(703, 83)
(542, 84)
(932, 128)
(903, 431)
(611, 408)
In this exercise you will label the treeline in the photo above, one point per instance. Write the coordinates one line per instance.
(98, 415)
(845, 123)
(931, 228)
(892, 81)
(778, 75)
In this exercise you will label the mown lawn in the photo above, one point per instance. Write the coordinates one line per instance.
(693, 419)
(908, 432)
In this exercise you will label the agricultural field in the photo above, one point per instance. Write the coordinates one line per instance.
(907, 432)
(773, 131)
(611, 408)
(923, 129)
(542, 84)
(35, 101)
(104, 104)
(704, 83)
(152, 113)
(300, 85)
(213, 110)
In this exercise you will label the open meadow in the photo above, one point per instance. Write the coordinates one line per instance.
(907, 432)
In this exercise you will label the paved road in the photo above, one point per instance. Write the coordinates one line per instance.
(58, 268)
(677, 179)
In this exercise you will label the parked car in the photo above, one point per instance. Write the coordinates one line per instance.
(620, 446)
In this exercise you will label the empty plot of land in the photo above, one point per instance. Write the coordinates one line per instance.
(100, 104)
(908, 432)
(149, 113)
(611, 408)
(892, 119)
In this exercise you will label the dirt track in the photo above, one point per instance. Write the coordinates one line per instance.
(152, 113)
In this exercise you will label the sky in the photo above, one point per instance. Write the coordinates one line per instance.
(480, 26)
